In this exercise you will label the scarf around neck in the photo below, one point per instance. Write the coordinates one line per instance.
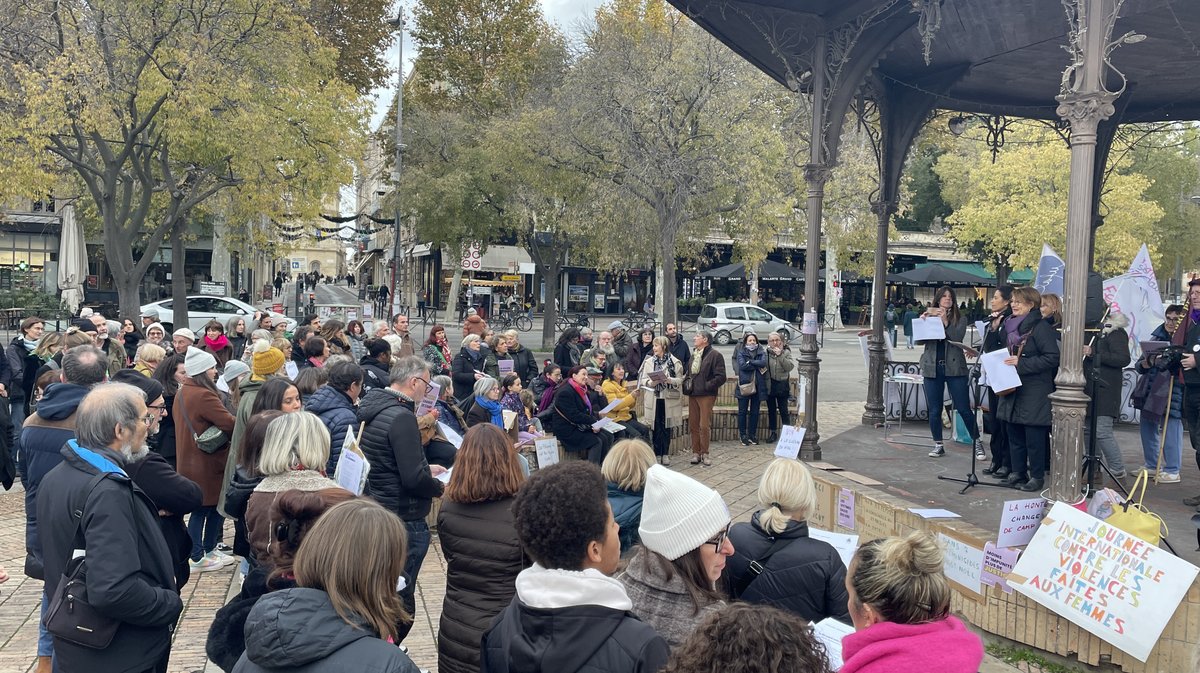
(493, 408)
(582, 393)
(216, 344)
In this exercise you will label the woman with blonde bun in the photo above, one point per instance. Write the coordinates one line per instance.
(803, 575)
(900, 606)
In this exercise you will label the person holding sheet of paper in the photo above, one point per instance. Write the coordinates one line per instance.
(994, 340)
(792, 570)
(900, 606)
(944, 366)
(779, 369)
(573, 414)
(614, 390)
(1034, 348)
(662, 410)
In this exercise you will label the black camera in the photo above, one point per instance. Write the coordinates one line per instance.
(1171, 357)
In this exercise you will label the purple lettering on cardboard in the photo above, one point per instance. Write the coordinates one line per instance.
(997, 563)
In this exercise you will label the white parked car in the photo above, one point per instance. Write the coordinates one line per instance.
(729, 321)
(203, 308)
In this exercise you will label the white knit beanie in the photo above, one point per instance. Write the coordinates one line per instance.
(679, 513)
(196, 362)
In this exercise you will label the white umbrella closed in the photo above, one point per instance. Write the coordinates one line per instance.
(72, 260)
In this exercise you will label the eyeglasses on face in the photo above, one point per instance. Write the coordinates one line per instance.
(719, 541)
(149, 419)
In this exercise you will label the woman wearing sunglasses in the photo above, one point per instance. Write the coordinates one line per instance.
(672, 576)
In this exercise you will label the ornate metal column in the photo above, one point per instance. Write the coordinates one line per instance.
(1084, 102)
(816, 174)
(873, 411)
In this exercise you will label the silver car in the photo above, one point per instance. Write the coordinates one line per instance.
(729, 321)
(203, 308)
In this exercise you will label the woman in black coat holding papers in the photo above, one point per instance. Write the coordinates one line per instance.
(573, 414)
(945, 366)
(1033, 345)
(993, 340)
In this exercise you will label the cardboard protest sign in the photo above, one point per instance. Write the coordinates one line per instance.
(998, 562)
(963, 563)
(845, 510)
(1112, 584)
(1019, 521)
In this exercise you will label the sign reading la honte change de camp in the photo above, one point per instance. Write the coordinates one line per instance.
(1114, 585)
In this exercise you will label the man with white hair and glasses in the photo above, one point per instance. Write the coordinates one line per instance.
(89, 504)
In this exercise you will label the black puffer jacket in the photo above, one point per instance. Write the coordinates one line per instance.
(298, 630)
(483, 557)
(575, 639)
(399, 478)
(806, 576)
(1037, 367)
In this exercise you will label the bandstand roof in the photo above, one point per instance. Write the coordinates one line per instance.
(1013, 49)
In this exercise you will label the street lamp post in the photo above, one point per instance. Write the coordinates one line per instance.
(398, 25)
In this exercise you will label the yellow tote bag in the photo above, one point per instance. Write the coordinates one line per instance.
(1132, 516)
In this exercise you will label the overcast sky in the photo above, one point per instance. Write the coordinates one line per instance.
(565, 13)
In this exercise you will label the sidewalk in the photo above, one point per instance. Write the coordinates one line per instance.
(735, 473)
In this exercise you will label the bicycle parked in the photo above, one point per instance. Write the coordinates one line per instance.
(637, 321)
(579, 320)
(511, 319)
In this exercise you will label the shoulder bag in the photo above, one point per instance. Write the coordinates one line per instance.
(209, 441)
(756, 568)
(1135, 518)
(69, 615)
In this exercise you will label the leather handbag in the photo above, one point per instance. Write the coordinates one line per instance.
(209, 441)
(70, 616)
(1134, 518)
(686, 387)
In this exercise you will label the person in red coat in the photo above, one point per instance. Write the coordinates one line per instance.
(198, 407)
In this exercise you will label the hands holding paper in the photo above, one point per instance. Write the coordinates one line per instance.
(436, 470)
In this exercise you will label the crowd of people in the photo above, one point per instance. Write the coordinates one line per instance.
(133, 460)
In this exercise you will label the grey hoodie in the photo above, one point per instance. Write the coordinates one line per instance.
(298, 630)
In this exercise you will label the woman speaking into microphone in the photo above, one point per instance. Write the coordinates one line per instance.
(944, 365)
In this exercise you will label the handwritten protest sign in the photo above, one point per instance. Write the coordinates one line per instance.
(963, 563)
(845, 509)
(547, 452)
(998, 562)
(1019, 521)
(1112, 584)
(789, 442)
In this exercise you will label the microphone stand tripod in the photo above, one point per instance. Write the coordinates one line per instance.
(971, 479)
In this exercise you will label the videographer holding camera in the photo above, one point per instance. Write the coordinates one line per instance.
(1160, 401)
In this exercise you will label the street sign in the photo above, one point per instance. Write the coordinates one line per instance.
(511, 278)
(472, 259)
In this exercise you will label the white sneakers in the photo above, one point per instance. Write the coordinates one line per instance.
(213, 560)
(1168, 478)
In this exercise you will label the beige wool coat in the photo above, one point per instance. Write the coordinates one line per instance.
(670, 393)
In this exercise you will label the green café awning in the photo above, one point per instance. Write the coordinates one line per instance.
(1022, 277)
